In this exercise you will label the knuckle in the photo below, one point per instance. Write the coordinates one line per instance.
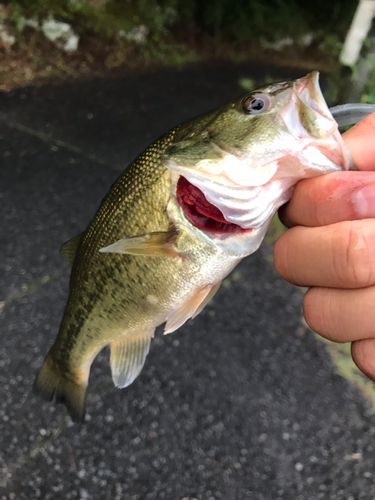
(284, 254)
(354, 266)
(279, 256)
(321, 198)
(320, 311)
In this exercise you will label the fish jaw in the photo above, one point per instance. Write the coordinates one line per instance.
(246, 189)
(235, 244)
(319, 144)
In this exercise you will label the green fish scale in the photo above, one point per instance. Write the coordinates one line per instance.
(136, 204)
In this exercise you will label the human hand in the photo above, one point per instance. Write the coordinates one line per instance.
(331, 248)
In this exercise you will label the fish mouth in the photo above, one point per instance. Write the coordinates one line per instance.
(200, 212)
(222, 190)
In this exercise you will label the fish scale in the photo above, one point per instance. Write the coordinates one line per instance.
(115, 296)
(141, 262)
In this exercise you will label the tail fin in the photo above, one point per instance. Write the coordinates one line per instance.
(50, 383)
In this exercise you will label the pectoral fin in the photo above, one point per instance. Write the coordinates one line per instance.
(128, 358)
(191, 308)
(69, 248)
(159, 244)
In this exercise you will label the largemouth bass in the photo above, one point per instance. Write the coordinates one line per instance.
(177, 221)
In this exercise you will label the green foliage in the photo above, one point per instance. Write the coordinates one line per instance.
(247, 83)
(171, 54)
(331, 45)
(107, 20)
(226, 19)
(254, 83)
(275, 230)
(269, 19)
(341, 357)
(247, 19)
(369, 95)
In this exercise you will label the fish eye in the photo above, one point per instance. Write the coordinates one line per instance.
(256, 104)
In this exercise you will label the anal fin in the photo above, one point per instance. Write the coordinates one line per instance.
(191, 308)
(157, 244)
(128, 358)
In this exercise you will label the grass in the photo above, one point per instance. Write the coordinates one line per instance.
(369, 93)
(341, 357)
(275, 230)
(26, 289)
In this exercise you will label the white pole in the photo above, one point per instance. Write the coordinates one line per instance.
(358, 31)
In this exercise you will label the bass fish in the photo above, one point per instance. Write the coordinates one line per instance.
(177, 221)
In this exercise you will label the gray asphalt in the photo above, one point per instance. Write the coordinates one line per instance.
(242, 402)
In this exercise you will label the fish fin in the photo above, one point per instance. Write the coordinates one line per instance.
(205, 301)
(50, 383)
(159, 244)
(69, 248)
(191, 308)
(128, 358)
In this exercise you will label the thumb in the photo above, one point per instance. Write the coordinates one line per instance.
(360, 141)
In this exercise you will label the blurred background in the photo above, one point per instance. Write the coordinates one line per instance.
(49, 38)
(244, 402)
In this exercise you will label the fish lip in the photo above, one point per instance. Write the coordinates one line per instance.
(308, 90)
(308, 97)
(310, 82)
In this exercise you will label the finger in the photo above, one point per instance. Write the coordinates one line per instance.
(363, 354)
(360, 141)
(340, 255)
(341, 315)
(331, 198)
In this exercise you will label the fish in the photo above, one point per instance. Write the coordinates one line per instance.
(177, 221)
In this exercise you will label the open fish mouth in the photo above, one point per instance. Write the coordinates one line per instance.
(233, 183)
(200, 212)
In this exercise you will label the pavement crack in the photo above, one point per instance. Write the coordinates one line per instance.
(7, 471)
(50, 140)
(27, 288)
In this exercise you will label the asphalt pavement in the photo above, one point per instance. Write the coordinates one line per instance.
(242, 402)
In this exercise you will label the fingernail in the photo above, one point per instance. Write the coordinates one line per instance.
(364, 202)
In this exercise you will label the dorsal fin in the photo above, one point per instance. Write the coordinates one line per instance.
(128, 358)
(69, 248)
